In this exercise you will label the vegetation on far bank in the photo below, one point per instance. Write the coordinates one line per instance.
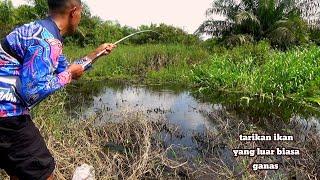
(145, 63)
(253, 69)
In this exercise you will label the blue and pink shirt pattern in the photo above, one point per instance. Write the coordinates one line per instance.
(39, 64)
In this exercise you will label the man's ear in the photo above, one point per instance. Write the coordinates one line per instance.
(73, 11)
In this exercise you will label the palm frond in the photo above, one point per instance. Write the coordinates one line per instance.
(285, 22)
(214, 27)
(222, 8)
(245, 16)
(249, 5)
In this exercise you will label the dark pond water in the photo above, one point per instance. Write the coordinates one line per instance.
(174, 105)
(226, 116)
(184, 108)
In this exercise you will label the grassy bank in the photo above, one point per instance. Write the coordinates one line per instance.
(250, 69)
(261, 70)
(146, 63)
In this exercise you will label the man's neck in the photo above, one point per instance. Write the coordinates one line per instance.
(60, 22)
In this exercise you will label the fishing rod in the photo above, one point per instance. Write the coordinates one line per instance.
(127, 37)
(86, 63)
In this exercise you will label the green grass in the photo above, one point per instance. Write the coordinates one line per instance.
(146, 63)
(260, 70)
(250, 69)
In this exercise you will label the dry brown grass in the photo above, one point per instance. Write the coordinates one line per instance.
(82, 142)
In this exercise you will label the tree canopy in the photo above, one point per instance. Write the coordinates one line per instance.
(283, 22)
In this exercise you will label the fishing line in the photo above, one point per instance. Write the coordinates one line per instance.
(86, 62)
(127, 37)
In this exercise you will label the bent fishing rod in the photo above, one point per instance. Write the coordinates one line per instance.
(86, 62)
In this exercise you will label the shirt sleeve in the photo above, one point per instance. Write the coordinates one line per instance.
(63, 64)
(44, 71)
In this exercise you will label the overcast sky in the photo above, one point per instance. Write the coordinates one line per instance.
(181, 13)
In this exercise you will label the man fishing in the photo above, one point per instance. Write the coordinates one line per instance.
(32, 67)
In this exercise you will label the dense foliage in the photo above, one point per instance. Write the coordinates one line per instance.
(282, 22)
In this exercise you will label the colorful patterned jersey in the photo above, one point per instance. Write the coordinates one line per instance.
(38, 68)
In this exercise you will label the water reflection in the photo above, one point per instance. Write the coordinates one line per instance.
(207, 124)
(190, 112)
(180, 109)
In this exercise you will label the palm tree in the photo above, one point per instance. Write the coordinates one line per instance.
(278, 20)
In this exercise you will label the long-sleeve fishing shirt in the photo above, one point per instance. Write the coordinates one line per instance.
(32, 66)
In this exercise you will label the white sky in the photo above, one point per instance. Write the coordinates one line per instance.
(186, 14)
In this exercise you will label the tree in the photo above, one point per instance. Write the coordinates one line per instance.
(281, 21)
(166, 34)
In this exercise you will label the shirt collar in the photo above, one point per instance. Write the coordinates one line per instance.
(52, 27)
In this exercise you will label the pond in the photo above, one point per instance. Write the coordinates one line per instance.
(225, 116)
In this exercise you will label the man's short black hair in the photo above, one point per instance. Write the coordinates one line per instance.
(61, 5)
